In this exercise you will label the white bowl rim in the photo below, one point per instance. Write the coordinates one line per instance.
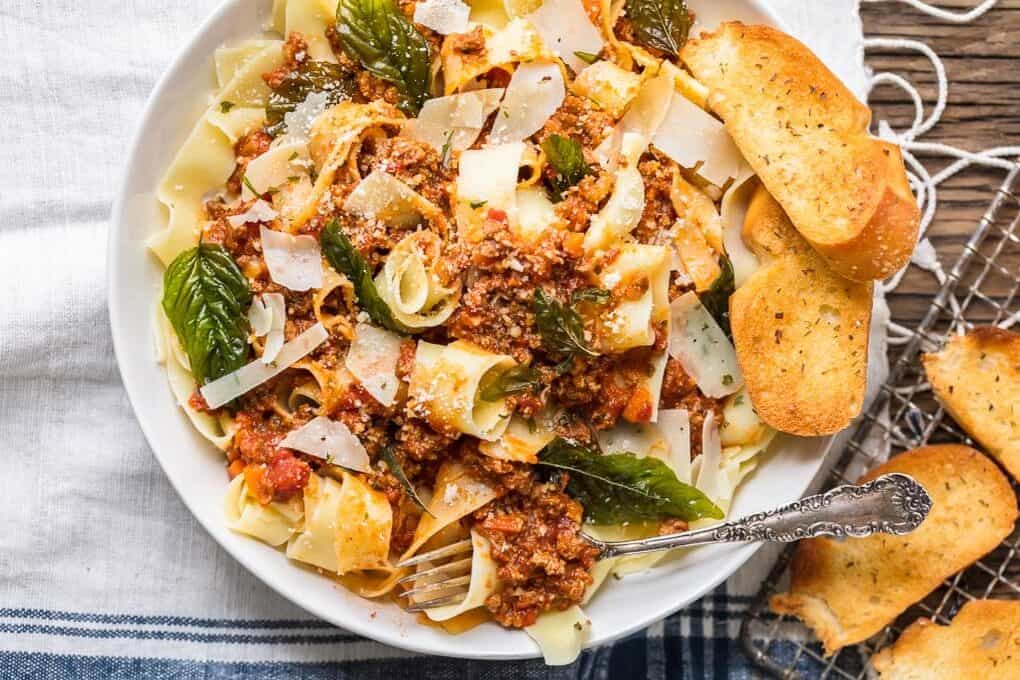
(735, 557)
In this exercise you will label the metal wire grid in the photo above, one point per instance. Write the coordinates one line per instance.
(983, 288)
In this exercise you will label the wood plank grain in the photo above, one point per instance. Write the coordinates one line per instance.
(982, 61)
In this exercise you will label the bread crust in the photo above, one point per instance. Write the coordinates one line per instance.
(848, 591)
(977, 378)
(800, 329)
(982, 641)
(806, 136)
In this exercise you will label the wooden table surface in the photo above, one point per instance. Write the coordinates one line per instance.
(982, 61)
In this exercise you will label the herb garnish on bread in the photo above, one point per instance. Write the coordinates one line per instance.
(977, 378)
(806, 136)
(800, 329)
(847, 591)
(982, 641)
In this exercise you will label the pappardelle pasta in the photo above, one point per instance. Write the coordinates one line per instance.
(438, 272)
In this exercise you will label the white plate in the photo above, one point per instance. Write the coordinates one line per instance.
(196, 468)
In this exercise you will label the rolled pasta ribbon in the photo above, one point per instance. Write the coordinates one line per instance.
(410, 284)
(634, 322)
(347, 526)
(446, 385)
(273, 523)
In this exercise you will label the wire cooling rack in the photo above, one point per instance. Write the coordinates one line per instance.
(982, 288)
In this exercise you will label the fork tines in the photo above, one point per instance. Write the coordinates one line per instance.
(438, 585)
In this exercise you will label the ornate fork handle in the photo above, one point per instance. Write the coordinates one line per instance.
(892, 504)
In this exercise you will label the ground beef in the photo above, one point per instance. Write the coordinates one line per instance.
(501, 274)
(414, 162)
(418, 442)
(248, 147)
(680, 391)
(582, 201)
(659, 214)
(579, 119)
(606, 388)
(544, 564)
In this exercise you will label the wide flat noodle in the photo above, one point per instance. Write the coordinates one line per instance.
(218, 428)
(514, 43)
(621, 213)
(363, 530)
(487, 180)
(316, 543)
(311, 18)
(484, 581)
(633, 323)
(410, 285)
(561, 635)
(372, 359)
(273, 523)
(446, 384)
(456, 494)
(206, 159)
(521, 442)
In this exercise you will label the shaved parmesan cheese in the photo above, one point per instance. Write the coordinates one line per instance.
(233, 385)
(535, 91)
(383, 197)
(566, 30)
(330, 440)
(675, 425)
(268, 316)
(372, 359)
(275, 336)
(702, 348)
(456, 120)
(690, 136)
(646, 113)
(259, 211)
(298, 122)
(275, 168)
(732, 211)
(294, 262)
(708, 481)
(560, 634)
(488, 177)
(260, 316)
(442, 16)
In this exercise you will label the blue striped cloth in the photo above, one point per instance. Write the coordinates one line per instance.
(696, 643)
(103, 572)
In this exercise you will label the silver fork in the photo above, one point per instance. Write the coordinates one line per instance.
(893, 504)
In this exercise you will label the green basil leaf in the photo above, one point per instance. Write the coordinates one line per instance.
(587, 57)
(376, 34)
(662, 24)
(560, 326)
(338, 83)
(521, 378)
(206, 299)
(398, 471)
(621, 487)
(717, 298)
(566, 157)
(346, 259)
(596, 296)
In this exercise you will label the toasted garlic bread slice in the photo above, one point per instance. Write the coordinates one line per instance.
(847, 591)
(800, 329)
(977, 378)
(806, 136)
(982, 641)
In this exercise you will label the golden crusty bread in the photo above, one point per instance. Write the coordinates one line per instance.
(800, 329)
(806, 136)
(977, 378)
(848, 591)
(983, 641)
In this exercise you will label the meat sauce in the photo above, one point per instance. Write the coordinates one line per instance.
(534, 526)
